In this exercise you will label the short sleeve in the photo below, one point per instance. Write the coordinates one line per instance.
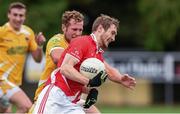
(32, 43)
(78, 48)
(55, 42)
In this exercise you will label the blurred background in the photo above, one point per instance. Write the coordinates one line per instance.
(147, 47)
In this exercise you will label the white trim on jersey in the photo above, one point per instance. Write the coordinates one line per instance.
(65, 81)
(53, 77)
(6, 74)
(3, 63)
(97, 47)
(55, 48)
(53, 81)
(41, 82)
(72, 98)
(69, 55)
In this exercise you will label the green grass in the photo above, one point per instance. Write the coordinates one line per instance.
(142, 109)
(137, 109)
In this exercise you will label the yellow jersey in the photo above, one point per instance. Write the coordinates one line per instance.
(13, 51)
(57, 41)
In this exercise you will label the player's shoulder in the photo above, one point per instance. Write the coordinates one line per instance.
(56, 38)
(82, 39)
(4, 28)
(26, 30)
(26, 27)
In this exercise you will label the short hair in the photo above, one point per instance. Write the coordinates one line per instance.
(106, 21)
(18, 5)
(68, 15)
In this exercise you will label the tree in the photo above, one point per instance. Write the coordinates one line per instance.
(160, 21)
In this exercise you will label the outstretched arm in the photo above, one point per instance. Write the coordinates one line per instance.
(123, 79)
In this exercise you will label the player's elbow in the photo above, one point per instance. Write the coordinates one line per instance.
(64, 69)
(37, 59)
(37, 55)
(55, 60)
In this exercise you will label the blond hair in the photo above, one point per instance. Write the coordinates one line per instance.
(68, 15)
(106, 21)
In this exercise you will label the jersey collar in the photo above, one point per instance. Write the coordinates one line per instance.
(11, 29)
(95, 40)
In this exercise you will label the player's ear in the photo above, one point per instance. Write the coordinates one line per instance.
(8, 15)
(63, 28)
(100, 29)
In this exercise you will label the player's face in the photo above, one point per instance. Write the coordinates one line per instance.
(16, 17)
(108, 36)
(74, 29)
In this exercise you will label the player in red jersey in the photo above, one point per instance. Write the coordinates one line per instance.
(66, 84)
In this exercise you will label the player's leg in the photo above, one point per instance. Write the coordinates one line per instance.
(21, 100)
(16, 96)
(5, 105)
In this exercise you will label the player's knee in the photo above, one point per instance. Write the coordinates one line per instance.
(24, 108)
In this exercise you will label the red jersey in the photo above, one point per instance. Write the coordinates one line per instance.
(81, 48)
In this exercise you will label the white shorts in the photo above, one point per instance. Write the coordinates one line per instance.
(52, 100)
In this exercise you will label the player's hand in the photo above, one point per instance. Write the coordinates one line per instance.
(91, 98)
(99, 79)
(128, 81)
(40, 39)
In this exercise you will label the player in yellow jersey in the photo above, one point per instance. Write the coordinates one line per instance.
(53, 51)
(72, 26)
(16, 40)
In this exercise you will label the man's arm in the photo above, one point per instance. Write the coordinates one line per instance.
(38, 53)
(123, 79)
(68, 70)
(56, 54)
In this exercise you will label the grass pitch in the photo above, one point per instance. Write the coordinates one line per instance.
(141, 109)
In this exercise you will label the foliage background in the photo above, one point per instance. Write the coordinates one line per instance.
(152, 25)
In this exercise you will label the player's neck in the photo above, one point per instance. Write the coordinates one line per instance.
(97, 37)
(14, 28)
